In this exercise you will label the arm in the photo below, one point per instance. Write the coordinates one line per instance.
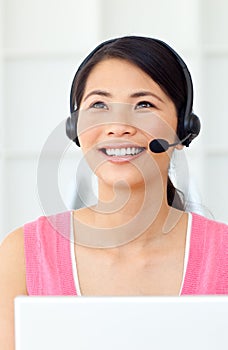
(12, 283)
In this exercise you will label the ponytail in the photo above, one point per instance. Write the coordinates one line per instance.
(174, 196)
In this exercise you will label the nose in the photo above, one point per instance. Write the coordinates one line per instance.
(119, 129)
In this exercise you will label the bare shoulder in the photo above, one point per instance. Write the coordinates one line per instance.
(12, 283)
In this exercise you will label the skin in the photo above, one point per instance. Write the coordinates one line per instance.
(148, 264)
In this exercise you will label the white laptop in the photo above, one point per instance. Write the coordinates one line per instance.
(116, 323)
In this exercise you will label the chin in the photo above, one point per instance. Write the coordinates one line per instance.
(125, 177)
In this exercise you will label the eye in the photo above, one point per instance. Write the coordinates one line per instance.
(99, 105)
(144, 104)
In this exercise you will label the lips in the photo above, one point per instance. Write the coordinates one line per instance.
(123, 151)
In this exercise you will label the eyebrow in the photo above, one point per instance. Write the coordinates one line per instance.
(133, 95)
(146, 93)
(97, 92)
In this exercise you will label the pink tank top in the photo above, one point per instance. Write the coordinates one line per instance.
(47, 256)
(49, 268)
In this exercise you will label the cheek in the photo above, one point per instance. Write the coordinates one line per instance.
(89, 138)
(89, 129)
(160, 129)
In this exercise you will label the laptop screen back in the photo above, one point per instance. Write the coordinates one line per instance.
(111, 323)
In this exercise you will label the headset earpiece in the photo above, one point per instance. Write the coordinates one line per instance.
(191, 127)
(71, 127)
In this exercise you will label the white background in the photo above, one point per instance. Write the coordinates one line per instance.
(42, 42)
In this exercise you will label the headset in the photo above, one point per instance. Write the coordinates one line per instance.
(188, 125)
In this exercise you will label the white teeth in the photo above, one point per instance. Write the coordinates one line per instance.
(123, 151)
(109, 152)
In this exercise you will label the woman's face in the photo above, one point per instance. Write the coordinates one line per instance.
(122, 110)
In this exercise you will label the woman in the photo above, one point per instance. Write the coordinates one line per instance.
(131, 99)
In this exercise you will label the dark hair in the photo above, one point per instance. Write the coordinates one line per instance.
(156, 60)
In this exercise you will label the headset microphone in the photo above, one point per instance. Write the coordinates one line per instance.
(161, 145)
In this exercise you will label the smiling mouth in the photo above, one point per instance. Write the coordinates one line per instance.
(121, 152)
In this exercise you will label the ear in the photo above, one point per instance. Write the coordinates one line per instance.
(179, 147)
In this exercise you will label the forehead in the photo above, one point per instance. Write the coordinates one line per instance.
(116, 73)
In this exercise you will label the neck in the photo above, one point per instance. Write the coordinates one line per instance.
(123, 201)
(126, 214)
(139, 209)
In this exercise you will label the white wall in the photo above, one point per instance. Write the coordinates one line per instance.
(214, 99)
(42, 44)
